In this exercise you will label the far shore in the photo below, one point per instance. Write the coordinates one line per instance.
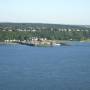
(12, 43)
(3, 42)
(62, 41)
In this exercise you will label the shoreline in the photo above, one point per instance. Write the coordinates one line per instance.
(60, 43)
(11, 43)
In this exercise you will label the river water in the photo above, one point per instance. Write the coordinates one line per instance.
(40, 68)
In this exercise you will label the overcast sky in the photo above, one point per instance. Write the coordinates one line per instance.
(46, 11)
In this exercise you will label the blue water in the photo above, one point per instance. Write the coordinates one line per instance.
(40, 68)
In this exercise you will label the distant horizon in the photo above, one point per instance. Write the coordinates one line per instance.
(46, 23)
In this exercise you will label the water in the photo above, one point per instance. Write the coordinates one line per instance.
(51, 68)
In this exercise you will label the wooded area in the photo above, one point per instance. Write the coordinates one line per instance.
(25, 31)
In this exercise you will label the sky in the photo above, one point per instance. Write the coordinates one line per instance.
(46, 11)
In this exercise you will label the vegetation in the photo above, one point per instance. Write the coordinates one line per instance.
(25, 31)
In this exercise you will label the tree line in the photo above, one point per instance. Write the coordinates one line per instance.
(51, 35)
